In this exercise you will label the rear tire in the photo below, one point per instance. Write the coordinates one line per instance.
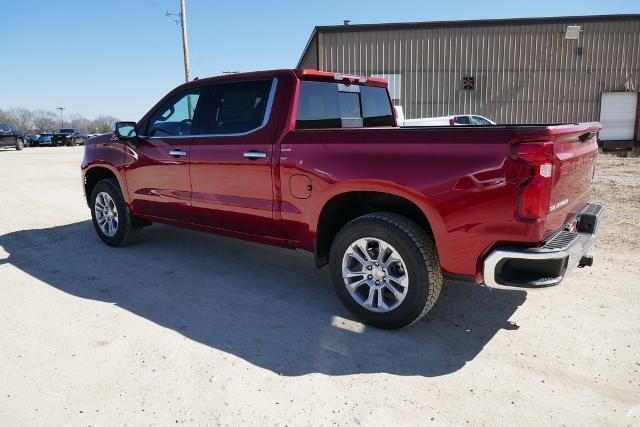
(107, 205)
(411, 254)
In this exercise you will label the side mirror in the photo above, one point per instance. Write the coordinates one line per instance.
(124, 130)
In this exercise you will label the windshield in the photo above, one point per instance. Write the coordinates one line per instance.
(46, 135)
(66, 131)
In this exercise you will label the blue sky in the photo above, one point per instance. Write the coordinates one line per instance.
(118, 57)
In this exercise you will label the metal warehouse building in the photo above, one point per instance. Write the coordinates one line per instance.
(533, 70)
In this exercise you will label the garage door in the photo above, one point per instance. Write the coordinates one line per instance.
(618, 115)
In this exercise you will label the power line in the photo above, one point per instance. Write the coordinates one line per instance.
(182, 24)
(156, 6)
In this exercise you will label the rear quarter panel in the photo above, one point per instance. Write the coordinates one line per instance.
(456, 176)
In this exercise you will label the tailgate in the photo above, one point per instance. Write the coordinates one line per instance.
(576, 151)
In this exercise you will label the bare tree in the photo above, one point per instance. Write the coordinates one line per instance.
(78, 121)
(41, 121)
(21, 119)
(5, 117)
(101, 124)
(44, 121)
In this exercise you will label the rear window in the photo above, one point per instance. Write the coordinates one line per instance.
(334, 105)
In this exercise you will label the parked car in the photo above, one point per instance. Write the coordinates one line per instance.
(456, 120)
(10, 138)
(311, 160)
(31, 139)
(69, 137)
(43, 139)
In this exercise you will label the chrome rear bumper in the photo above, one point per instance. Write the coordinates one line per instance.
(547, 265)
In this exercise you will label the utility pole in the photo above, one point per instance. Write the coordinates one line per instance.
(61, 119)
(185, 44)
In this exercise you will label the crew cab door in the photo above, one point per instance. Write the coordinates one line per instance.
(157, 167)
(231, 166)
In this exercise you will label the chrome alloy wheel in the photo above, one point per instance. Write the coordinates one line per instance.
(375, 274)
(106, 214)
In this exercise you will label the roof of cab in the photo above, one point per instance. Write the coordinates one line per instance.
(300, 73)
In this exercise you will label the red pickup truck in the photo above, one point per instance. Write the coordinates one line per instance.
(313, 160)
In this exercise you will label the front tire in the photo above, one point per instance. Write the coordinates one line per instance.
(385, 270)
(19, 145)
(111, 217)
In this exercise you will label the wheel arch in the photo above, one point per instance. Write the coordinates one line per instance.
(344, 205)
(94, 174)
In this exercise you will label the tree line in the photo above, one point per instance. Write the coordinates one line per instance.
(44, 121)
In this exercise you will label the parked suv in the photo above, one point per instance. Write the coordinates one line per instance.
(313, 160)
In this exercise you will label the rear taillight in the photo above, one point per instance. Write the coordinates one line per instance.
(534, 193)
(452, 122)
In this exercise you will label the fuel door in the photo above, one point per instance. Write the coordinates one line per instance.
(300, 186)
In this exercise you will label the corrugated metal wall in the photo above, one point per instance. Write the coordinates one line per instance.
(523, 73)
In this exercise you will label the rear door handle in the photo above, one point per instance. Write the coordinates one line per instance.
(255, 155)
(177, 153)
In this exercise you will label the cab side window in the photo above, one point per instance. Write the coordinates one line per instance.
(179, 116)
(239, 107)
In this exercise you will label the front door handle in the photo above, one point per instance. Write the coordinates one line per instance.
(177, 153)
(255, 155)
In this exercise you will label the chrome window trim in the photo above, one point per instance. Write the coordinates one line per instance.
(265, 120)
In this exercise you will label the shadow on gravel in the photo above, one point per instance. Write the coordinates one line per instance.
(267, 305)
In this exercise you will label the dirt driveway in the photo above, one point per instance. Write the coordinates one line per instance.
(192, 328)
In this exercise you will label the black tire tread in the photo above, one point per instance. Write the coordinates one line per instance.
(427, 250)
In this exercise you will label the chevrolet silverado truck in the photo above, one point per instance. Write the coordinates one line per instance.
(313, 160)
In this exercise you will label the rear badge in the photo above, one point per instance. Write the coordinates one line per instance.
(558, 205)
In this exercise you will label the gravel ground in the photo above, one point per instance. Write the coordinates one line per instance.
(185, 327)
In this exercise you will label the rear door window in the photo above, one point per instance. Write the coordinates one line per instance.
(239, 107)
(334, 105)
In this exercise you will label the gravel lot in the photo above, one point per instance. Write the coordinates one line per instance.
(185, 327)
